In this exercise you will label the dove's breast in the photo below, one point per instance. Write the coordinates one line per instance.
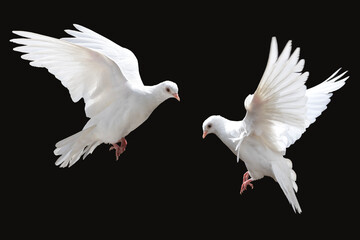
(121, 118)
(258, 157)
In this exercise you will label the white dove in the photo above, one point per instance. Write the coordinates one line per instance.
(278, 113)
(106, 76)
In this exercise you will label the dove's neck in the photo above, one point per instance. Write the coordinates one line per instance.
(227, 130)
(154, 96)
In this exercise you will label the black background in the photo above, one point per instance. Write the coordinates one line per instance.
(170, 181)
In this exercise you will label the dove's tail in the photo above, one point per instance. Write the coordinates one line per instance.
(73, 147)
(286, 177)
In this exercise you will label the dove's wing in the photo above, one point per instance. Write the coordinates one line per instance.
(317, 99)
(319, 96)
(85, 73)
(279, 102)
(123, 57)
(281, 108)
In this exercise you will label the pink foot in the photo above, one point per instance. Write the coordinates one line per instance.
(246, 182)
(119, 149)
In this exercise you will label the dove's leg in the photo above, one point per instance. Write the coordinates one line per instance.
(246, 182)
(119, 149)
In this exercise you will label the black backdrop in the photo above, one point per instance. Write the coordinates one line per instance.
(170, 180)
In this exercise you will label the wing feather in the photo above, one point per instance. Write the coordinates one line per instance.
(319, 95)
(85, 73)
(124, 58)
(282, 108)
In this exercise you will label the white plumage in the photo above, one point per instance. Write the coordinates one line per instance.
(278, 113)
(106, 76)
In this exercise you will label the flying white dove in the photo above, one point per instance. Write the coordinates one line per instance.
(106, 76)
(278, 113)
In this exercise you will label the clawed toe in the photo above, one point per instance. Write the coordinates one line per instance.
(119, 149)
(246, 182)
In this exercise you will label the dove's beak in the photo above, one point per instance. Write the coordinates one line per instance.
(204, 134)
(176, 96)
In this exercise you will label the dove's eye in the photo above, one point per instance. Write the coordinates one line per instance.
(167, 89)
(209, 125)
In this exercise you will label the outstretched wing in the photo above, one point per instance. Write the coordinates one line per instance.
(317, 99)
(85, 73)
(279, 101)
(281, 108)
(319, 96)
(123, 57)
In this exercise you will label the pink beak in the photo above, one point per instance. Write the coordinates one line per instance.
(204, 134)
(176, 96)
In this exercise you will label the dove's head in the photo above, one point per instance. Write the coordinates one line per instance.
(168, 89)
(211, 125)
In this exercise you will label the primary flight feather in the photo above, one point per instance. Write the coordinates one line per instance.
(106, 76)
(278, 113)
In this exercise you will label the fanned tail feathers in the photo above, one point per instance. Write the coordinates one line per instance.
(73, 147)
